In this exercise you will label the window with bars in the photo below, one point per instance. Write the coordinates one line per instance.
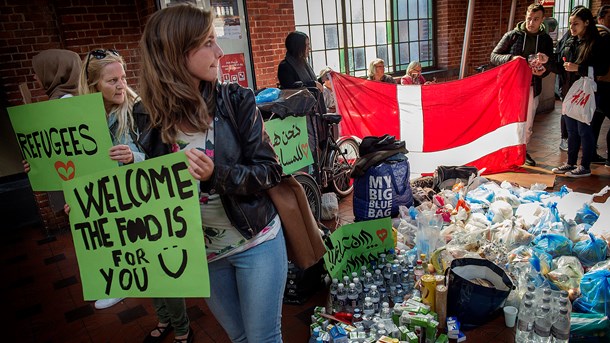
(562, 11)
(347, 35)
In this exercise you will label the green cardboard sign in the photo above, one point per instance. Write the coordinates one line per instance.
(137, 231)
(290, 141)
(62, 139)
(354, 245)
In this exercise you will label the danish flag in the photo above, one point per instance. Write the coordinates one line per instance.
(477, 121)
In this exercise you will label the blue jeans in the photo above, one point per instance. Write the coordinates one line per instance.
(247, 291)
(579, 134)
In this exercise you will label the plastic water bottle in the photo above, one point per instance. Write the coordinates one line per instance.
(404, 279)
(359, 288)
(375, 297)
(419, 271)
(383, 295)
(525, 322)
(561, 328)
(542, 325)
(368, 308)
(387, 273)
(352, 297)
(333, 295)
(368, 280)
(386, 312)
(399, 295)
(382, 260)
(363, 272)
(378, 278)
(341, 297)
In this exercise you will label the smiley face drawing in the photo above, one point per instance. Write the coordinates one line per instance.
(181, 265)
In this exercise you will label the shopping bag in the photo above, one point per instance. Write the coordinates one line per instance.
(579, 103)
(476, 290)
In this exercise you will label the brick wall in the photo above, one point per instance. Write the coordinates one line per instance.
(270, 22)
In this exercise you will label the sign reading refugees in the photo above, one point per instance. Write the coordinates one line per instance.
(355, 245)
(137, 231)
(289, 138)
(62, 139)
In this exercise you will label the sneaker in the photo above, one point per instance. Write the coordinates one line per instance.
(607, 164)
(564, 144)
(563, 169)
(105, 303)
(579, 171)
(529, 161)
(598, 159)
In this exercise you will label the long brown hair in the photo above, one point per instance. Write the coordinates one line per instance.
(165, 83)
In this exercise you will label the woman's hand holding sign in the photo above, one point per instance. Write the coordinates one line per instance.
(200, 165)
(121, 153)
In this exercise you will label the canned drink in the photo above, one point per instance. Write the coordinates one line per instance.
(440, 279)
(428, 290)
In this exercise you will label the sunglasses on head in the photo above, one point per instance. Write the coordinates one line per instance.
(98, 54)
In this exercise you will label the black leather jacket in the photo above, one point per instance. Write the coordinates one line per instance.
(245, 164)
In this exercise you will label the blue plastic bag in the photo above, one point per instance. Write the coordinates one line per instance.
(592, 251)
(586, 215)
(554, 245)
(267, 95)
(595, 293)
(549, 222)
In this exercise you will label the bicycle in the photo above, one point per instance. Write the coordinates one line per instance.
(336, 164)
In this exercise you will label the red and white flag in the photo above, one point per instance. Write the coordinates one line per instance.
(477, 121)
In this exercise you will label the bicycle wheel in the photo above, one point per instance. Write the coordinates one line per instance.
(343, 162)
(314, 196)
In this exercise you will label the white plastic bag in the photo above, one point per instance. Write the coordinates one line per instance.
(330, 206)
(579, 103)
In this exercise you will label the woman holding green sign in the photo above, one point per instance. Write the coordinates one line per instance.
(234, 162)
(104, 71)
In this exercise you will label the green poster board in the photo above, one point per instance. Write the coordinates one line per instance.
(290, 141)
(137, 231)
(354, 245)
(62, 139)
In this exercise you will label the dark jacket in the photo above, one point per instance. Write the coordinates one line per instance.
(568, 52)
(245, 164)
(289, 78)
(515, 43)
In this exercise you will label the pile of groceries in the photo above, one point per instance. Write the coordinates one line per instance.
(469, 254)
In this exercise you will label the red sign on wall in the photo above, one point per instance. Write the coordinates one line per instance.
(547, 3)
(233, 69)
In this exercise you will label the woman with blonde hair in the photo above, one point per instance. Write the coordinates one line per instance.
(413, 75)
(377, 71)
(104, 71)
(231, 155)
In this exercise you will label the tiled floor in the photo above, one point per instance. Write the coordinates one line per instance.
(42, 295)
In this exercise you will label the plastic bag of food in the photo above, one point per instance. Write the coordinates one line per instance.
(549, 222)
(480, 195)
(555, 245)
(499, 211)
(591, 251)
(586, 215)
(595, 293)
(510, 235)
(568, 273)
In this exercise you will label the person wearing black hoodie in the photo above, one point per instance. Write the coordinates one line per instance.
(528, 38)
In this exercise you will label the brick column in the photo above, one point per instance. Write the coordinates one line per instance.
(51, 220)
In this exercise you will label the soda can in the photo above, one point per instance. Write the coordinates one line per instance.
(440, 279)
(428, 290)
